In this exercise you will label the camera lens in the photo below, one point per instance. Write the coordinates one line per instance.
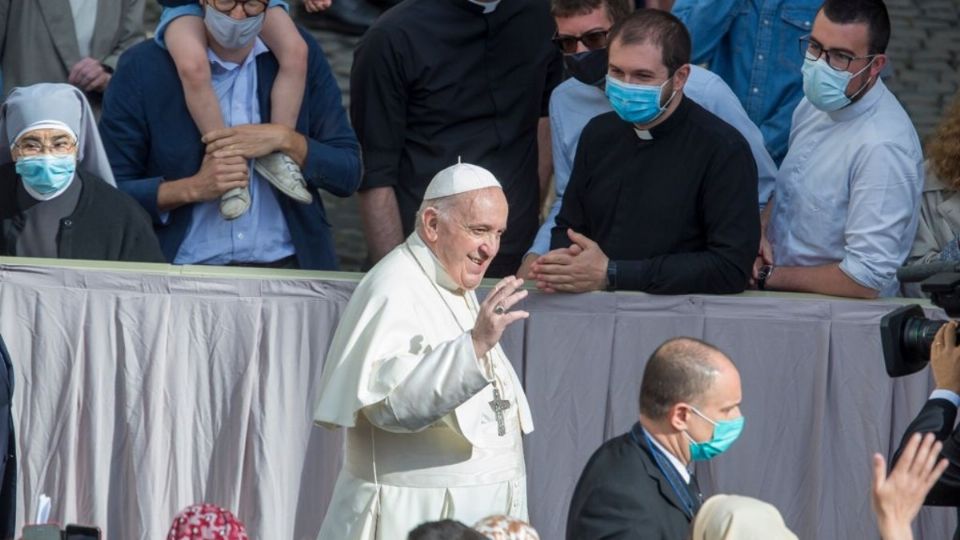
(918, 334)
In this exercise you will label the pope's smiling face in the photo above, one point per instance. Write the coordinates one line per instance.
(465, 235)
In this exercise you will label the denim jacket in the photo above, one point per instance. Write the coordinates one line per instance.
(754, 46)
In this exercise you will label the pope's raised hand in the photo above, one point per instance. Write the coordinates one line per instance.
(495, 314)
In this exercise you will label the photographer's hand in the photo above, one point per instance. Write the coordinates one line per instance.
(945, 358)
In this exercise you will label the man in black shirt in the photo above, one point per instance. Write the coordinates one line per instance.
(435, 81)
(662, 197)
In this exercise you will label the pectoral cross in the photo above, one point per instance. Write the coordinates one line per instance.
(499, 405)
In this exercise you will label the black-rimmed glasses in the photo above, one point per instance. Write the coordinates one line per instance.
(840, 61)
(250, 7)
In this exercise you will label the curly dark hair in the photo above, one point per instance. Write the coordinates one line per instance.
(943, 149)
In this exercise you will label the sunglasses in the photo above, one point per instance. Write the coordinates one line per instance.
(595, 39)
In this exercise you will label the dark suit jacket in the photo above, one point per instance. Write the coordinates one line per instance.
(8, 448)
(623, 495)
(938, 417)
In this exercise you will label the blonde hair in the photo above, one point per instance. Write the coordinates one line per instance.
(943, 149)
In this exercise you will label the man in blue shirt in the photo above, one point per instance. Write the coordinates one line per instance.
(845, 211)
(753, 46)
(158, 156)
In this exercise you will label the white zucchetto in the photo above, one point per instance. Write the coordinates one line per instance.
(459, 178)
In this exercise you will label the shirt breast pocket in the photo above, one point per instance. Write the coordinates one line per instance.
(826, 214)
(796, 23)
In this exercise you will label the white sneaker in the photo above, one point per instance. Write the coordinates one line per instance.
(234, 203)
(285, 175)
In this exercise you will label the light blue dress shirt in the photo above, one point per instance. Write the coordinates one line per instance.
(573, 104)
(261, 234)
(849, 190)
(754, 46)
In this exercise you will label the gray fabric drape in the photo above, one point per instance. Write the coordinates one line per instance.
(140, 392)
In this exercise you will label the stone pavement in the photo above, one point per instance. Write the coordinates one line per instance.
(924, 51)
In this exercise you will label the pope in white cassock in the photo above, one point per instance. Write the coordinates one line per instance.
(434, 410)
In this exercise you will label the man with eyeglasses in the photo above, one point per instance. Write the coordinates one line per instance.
(663, 194)
(57, 194)
(582, 28)
(434, 81)
(158, 155)
(845, 211)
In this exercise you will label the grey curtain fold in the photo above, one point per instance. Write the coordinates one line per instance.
(140, 392)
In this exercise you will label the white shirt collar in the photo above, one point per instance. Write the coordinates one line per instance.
(861, 106)
(674, 460)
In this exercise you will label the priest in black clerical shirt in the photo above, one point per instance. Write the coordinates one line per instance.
(434, 81)
(662, 197)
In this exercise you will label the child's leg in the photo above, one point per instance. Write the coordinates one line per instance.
(186, 40)
(282, 37)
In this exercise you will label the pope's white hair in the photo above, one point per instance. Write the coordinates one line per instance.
(442, 205)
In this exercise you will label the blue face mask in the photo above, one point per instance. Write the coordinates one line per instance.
(47, 173)
(725, 432)
(636, 103)
(825, 87)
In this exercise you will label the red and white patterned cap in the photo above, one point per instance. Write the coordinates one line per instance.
(506, 528)
(206, 522)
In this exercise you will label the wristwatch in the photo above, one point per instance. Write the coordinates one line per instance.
(762, 275)
(611, 275)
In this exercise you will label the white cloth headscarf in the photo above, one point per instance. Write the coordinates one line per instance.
(54, 105)
(732, 517)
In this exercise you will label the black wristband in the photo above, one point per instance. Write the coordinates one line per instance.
(611, 275)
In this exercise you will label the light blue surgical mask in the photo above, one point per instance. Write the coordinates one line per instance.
(229, 32)
(636, 103)
(825, 87)
(47, 173)
(725, 432)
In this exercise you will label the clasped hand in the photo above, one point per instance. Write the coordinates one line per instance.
(248, 140)
(582, 267)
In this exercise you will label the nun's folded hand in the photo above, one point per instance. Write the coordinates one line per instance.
(89, 75)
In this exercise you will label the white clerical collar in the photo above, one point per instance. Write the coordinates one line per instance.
(488, 7)
(644, 134)
(430, 264)
(674, 460)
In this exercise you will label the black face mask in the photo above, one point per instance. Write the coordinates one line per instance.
(588, 67)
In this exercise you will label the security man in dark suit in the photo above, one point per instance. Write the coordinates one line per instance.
(639, 485)
(8, 448)
(939, 415)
